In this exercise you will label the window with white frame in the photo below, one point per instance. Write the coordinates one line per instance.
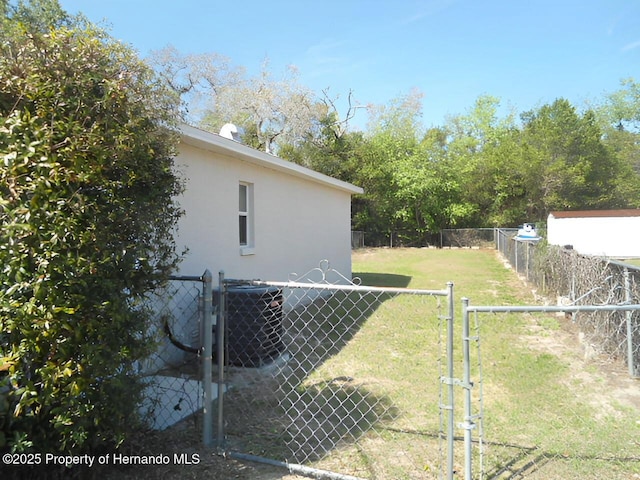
(245, 217)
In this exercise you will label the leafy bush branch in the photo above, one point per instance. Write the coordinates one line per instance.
(86, 231)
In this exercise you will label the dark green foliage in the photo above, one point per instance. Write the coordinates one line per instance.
(479, 170)
(86, 219)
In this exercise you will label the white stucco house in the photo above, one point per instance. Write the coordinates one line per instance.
(609, 233)
(253, 216)
(256, 216)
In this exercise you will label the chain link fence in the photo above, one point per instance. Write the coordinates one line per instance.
(332, 379)
(337, 377)
(536, 424)
(467, 237)
(174, 372)
(520, 254)
(394, 239)
(582, 280)
(569, 278)
(445, 238)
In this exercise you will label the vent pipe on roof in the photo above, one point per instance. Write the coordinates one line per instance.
(230, 131)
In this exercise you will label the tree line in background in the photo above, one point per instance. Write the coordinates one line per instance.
(478, 169)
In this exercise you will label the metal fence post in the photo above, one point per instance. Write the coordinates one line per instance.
(572, 293)
(207, 357)
(220, 340)
(628, 317)
(450, 424)
(467, 385)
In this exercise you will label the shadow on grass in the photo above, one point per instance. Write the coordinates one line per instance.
(333, 412)
(519, 461)
(383, 279)
(294, 413)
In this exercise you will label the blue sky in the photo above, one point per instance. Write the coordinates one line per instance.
(525, 52)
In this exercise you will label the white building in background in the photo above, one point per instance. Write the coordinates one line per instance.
(256, 216)
(609, 233)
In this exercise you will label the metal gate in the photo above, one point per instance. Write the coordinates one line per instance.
(334, 379)
(550, 441)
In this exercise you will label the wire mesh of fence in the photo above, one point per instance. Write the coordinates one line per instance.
(576, 279)
(393, 239)
(317, 374)
(173, 372)
(549, 420)
(568, 278)
(520, 254)
(357, 239)
(467, 237)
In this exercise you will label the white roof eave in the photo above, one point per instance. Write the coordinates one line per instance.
(218, 144)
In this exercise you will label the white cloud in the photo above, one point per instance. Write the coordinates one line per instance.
(427, 9)
(631, 46)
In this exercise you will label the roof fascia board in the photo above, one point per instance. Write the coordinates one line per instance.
(217, 144)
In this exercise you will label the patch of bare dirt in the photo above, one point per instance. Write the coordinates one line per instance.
(210, 466)
(184, 440)
(606, 379)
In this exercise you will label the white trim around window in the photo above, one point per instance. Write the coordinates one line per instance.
(245, 219)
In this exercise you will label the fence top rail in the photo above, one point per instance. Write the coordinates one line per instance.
(622, 264)
(551, 309)
(480, 229)
(353, 288)
(187, 278)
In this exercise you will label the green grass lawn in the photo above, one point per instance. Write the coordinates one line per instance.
(547, 414)
(361, 391)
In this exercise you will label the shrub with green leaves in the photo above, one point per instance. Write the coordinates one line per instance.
(86, 231)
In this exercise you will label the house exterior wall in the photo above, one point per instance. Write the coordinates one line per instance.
(297, 222)
(609, 236)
